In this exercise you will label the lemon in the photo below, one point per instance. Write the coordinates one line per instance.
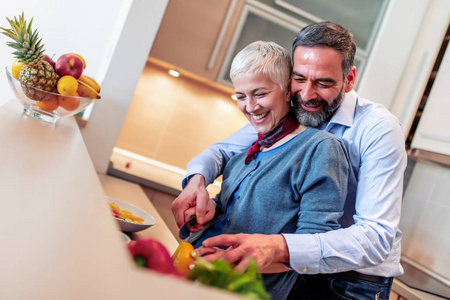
(67, 85)
(16, 67)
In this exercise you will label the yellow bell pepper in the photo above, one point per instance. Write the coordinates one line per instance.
(182, 258)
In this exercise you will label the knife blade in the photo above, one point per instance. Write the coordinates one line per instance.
(184, 230)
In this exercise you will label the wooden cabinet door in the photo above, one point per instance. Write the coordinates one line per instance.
(189, 33)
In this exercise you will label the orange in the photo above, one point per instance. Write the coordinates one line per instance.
(67, 85)
(16, 67)
(69, 103)
(48, 105)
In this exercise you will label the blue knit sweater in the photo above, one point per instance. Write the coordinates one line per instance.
(299, 189)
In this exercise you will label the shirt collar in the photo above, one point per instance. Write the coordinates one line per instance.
(346, 111)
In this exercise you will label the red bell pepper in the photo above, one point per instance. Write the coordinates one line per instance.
(153, 255)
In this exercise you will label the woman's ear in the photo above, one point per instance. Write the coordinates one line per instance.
(288, 90)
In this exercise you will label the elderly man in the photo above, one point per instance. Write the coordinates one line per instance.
(360, 260)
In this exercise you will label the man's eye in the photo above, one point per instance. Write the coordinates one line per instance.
(323, 84)
(299, 79)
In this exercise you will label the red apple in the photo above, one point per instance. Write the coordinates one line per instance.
(69, 64)
(49, 60)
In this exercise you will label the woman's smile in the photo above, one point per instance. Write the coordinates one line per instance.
(260, 116)
(263, 102)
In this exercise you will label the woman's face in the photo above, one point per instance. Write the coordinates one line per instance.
(261, 100)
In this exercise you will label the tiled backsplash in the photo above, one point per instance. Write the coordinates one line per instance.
(173, 119)
(425, 221)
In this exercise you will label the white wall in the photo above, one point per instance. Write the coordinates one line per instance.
(114, 37)
(126, 66)
(84, 27)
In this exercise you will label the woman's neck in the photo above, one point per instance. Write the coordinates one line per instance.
(287, 138)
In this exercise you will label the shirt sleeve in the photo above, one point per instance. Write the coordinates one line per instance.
(210, 162)
(323, 187)
(379, 191)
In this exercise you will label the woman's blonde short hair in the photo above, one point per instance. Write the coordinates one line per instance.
(267, 58)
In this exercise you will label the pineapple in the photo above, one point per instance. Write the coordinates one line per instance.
(36, 74)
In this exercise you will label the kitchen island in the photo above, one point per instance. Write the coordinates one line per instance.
(58, 239)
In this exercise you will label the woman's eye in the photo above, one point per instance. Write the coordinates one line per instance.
(260, 95)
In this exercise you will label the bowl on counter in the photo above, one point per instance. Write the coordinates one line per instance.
(125, 238)
(46, 106)
(126, 226)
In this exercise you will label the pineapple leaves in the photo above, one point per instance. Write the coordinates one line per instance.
(27, 44)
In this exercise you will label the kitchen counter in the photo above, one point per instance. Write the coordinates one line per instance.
(132, 193)
(58, 239)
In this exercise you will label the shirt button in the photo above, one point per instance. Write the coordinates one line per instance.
(305, 269)
(334, 270)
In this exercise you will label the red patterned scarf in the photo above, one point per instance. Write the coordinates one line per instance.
(286, 125)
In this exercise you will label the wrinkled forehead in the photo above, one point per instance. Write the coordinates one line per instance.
(323, 60)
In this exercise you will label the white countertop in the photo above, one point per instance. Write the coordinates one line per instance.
(132, 193)
(58, 239)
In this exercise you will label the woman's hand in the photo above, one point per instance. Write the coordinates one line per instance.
(264, 249)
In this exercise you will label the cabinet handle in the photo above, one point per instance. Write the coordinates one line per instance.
(219, 41)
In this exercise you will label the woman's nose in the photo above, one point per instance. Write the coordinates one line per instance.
(252, 105)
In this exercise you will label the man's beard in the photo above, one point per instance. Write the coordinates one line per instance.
(315, 118)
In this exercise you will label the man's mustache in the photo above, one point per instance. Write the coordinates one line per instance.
(311, 103)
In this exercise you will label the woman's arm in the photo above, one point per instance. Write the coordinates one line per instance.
(204, 168)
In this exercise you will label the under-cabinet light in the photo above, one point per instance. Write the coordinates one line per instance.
(174, 73)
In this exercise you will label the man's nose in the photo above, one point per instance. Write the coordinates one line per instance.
(308, 92)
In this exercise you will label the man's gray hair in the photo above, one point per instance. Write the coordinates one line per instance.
(328, 34)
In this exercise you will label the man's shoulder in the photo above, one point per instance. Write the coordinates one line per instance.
(368, 109)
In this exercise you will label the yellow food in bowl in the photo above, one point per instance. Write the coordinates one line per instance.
(124, 215)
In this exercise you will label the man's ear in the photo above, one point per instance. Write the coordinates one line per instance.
(350, 80)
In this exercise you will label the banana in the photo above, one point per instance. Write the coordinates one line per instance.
(85, 90)
(90, 81)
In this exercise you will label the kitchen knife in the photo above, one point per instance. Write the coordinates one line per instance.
(184, 230)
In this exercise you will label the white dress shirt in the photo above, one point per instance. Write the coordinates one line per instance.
(370, 239)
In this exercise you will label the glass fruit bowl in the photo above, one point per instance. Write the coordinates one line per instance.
(46, 106)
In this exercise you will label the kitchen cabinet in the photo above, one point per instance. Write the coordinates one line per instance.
(280, 20)
(194, 34)
(432, 132)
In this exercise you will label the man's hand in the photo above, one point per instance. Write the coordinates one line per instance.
(264, 249)
(193, 195)
(209, 215)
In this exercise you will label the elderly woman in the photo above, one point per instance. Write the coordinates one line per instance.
(293, 179)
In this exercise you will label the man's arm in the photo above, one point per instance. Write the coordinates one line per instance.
(363, 245)
(379, 190)
(210, 162)
(203, 169)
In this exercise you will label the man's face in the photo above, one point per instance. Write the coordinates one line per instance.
(317, 84)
